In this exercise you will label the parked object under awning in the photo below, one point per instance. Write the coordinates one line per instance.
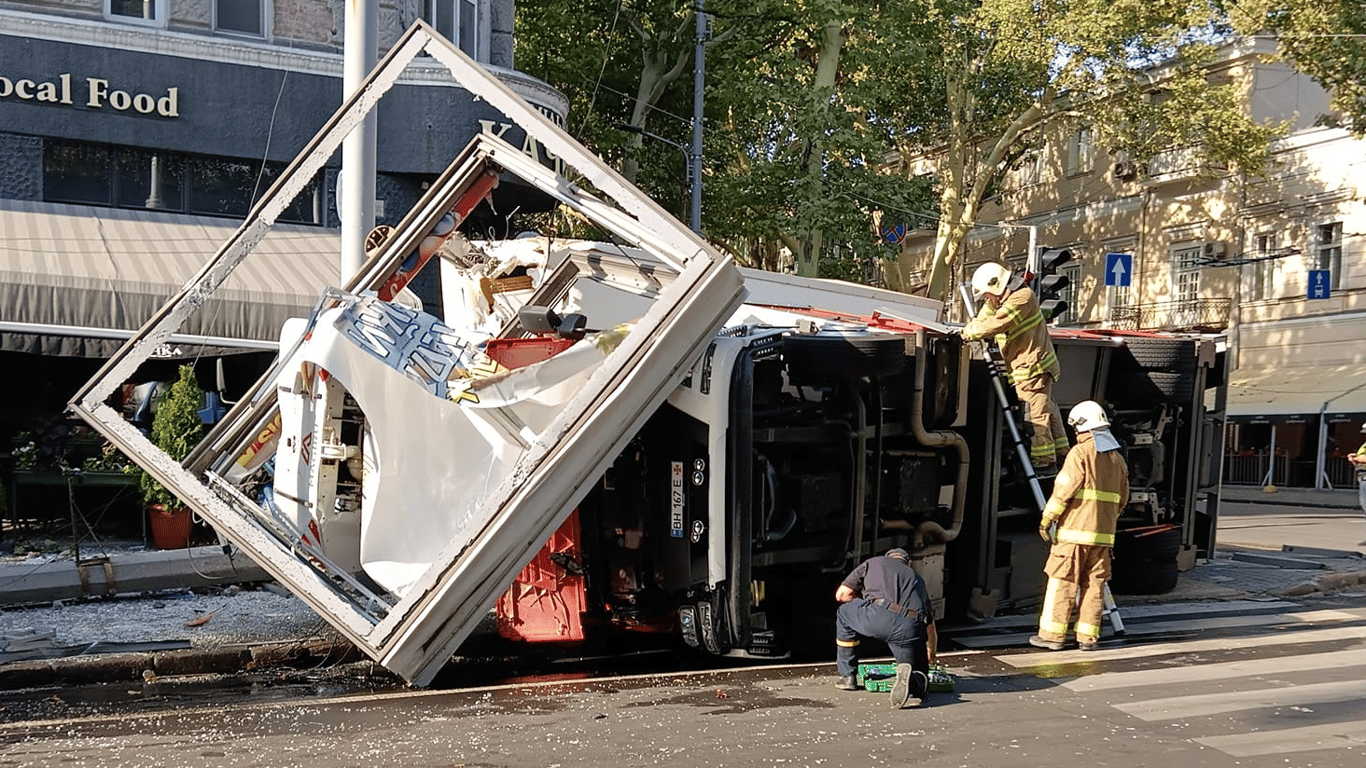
(77, 281)
(1296, 390)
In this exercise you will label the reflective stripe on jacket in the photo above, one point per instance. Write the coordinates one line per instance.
(1088, 494)
(1021, 334)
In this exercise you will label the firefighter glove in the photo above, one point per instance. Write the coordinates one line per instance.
(1047, 532)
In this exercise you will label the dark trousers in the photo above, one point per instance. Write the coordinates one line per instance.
(904, 636)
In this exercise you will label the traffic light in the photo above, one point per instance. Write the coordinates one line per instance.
(1049, 285)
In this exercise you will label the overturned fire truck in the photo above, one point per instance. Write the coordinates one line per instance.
(638, 435)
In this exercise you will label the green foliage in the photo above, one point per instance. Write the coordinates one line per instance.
(1326, 40)
(109, 459)
(176, 429)
(816, 110)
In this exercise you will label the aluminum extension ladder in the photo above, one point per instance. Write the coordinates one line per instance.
(1011, 410)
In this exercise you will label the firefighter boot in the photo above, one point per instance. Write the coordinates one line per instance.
(910, 684)
(1040, 642)
(846, 683)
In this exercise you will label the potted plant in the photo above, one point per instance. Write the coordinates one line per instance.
(176, 429)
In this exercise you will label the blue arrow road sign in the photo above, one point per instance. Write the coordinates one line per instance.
(1119, 268)
(1320, 282)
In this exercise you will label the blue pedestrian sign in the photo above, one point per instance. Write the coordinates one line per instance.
(1119, 269)
(1320, 282)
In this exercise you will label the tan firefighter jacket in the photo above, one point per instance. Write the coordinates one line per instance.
(1021, 335)
(1090, 491)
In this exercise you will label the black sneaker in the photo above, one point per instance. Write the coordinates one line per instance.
(1087, 645)
(846, 683)
(901, 689)
(1039, 642)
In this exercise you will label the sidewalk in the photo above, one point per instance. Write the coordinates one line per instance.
(1266, 548)
(1338, 498)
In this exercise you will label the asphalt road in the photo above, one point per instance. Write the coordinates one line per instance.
(1280, 683)
(1269, 526)
(1255, 681)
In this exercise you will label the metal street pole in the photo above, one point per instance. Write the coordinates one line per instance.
(699, 69)
(687, 161)
(356, 203)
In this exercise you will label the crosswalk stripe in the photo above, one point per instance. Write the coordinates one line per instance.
(1187, 673)
(1178, 707)
(1288, 740)
(1108, 652)
(1131, 612)
(1266, 684)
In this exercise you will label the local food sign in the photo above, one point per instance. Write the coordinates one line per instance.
(91, 93)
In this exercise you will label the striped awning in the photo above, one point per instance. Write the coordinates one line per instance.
(78, 280)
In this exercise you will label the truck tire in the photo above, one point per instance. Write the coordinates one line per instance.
(1146, 388)
(1153, 542)
(841, 355)
(1169, 355)
(1143, 577)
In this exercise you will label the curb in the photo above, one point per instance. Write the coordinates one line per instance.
(1273, 502)
(1329, 582)
(146, 667)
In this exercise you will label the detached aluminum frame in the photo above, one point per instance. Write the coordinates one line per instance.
(415, 636)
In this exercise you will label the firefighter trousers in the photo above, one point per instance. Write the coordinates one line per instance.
(906, 636)
(1075, 570)
(1049, 443)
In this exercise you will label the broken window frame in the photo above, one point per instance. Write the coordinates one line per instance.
(416, 634)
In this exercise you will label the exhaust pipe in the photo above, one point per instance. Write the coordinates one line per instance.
(930, 532)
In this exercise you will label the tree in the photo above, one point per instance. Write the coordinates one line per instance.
(619, 64)
(797, 134)
(790, 162)
(1002, 73)
(807, 100)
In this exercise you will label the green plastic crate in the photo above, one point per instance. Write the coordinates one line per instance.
(879, 678)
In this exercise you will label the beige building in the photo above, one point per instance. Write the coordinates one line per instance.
(1275, 264)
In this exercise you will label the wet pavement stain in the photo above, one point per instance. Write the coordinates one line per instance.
(732, 700)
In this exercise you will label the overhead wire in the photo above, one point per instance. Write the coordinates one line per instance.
(606, 57)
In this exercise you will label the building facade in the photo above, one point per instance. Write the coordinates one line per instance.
(1276, 264)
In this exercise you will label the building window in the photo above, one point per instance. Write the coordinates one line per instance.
(136, 11)
(1081, 151)
(1186, 259)
(243, 17)
(117, 177)
(457, 21)
(1261, 272)
(1030, 170)
(1328, 251)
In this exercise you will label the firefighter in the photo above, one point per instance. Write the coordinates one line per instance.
(884, 598)
(1359, 460)
(1079, 523)
(1013, 317)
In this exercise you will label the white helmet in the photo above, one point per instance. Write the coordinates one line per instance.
(990, 278)
(1088, 415)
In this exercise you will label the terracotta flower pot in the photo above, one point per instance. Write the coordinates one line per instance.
(170, 527)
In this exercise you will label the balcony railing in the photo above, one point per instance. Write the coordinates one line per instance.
(1181, 164)
(1198, 315)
